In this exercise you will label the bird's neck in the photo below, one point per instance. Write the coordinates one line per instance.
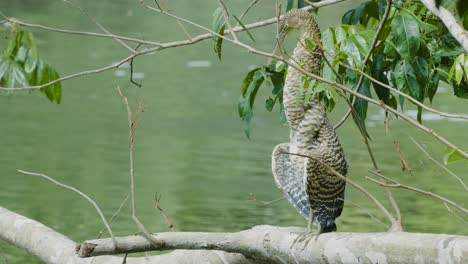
(310, 59)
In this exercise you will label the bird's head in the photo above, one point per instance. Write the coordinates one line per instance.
(294, 19)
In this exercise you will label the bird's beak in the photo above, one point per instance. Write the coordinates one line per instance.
(280, 38)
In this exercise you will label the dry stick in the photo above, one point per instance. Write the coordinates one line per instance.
(395, 184)
(410, 98)
(166, 216)
(160, 46)
(366, 59)
(438, 163)
(99, 25)
(454, 214)
(333, 83)
(355, 185)
(114, 215)
(91, 201)
(226, 18)
(132, 123)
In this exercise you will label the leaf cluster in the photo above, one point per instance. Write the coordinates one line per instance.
(21, 65)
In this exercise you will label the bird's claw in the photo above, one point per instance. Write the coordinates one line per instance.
(305, 237)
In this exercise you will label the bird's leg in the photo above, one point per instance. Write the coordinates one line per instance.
(307, 235)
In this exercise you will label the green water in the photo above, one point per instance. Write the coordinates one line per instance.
(189, 144)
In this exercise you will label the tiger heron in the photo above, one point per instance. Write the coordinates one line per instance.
(315, 192)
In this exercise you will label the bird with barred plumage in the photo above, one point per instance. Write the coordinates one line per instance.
(315, 192)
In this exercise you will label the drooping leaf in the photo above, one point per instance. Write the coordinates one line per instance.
(378, 73)
(432, 84)
(218, 26)
(360, 107)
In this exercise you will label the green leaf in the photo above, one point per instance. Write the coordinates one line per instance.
(421, 70)
(218, 26)
(328, 40)
(406, 35)
(4, 65)
(378, 73)
(219, 42)
(406, 80)
(360, 106)
(269, 103)
(32, 44)
(340, 34)
(452, 155)
(247, 80)
(15, 76)
(433, 84)
(460, 90)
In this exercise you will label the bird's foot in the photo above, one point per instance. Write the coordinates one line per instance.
(305, 237)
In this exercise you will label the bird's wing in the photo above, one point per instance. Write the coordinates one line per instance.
(326, 192)
(289, 179)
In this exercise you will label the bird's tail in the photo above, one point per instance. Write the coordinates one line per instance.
(290, 179)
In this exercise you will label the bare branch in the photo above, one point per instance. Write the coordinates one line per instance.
(132, 124)
(395, 184)
(91, 201)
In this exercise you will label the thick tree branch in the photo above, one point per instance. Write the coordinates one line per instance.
(270, 244)
(449, 21)
(54, 248)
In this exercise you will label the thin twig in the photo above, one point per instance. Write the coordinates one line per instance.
(454, 214)
(91, 201)
(247, 10)
(366, 59)
(440, 164)
(226, 18)
(395, 184)
(263, 203)
(131, 69)
(132, 123)
(99, 25)
(170, 222)
(357, 186)
(114, 216)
